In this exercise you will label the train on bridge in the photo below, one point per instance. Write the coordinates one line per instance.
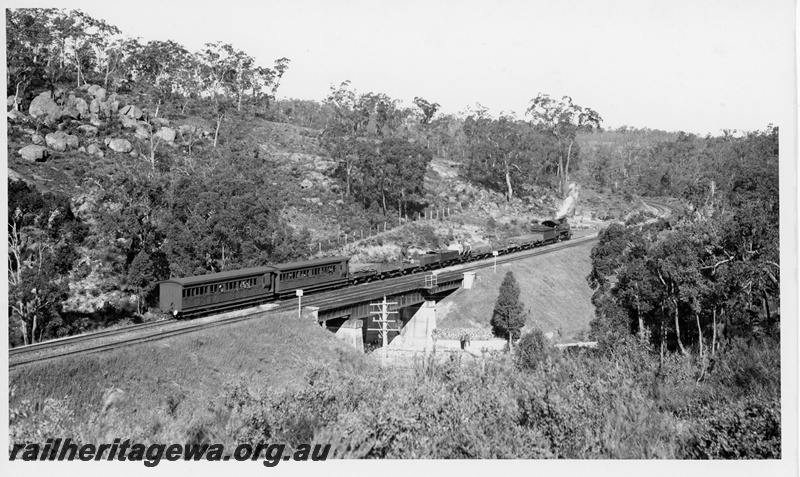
(216, 292)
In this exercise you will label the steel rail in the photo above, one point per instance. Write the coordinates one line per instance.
(324, 298)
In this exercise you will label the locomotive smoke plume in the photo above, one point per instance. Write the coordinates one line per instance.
(569, 202)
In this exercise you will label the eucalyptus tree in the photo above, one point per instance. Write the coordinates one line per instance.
(564, 120)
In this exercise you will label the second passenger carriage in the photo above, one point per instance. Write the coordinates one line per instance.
(204, 294)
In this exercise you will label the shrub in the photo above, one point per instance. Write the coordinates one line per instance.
(532, 350)
(747, 429)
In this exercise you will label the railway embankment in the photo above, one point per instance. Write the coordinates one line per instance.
(157, 391)
(553, 289)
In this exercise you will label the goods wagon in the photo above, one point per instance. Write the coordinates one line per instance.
(238, 288)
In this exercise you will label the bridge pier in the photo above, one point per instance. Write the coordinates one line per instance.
(352, 333)
(417, 334)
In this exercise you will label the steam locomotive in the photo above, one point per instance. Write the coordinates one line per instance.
(215, 292)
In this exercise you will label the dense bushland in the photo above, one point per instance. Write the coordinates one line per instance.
(618, 401)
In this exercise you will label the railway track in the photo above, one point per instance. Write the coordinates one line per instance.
(146, 332)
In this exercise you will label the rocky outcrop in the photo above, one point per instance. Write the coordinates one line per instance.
(131, 111)
(128, 122)
(97, 91)
(82, 107)
(34, 153)
(166, 134)
(88, 130)
(142, 132)
(60, 141)
(15, 115)
(44, 108)
(94, 150)
(119, 145)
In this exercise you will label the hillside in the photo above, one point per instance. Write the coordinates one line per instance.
(553, 289)
(132, 175)
(160, 391)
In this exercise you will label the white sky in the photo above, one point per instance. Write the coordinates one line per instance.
(698, 65)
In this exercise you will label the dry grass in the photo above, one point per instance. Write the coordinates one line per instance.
(177, 381)
(553, 287)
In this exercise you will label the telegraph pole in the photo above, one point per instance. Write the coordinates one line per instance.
(384, 321)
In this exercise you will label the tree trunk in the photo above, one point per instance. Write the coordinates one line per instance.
(216, 132)
(566, 170)
(714, 332)
(678, 330)
(663, 333)
(508, 182)
(33, 330)
(699, 333)
(347, 185)
(24, 332)
(641, 320)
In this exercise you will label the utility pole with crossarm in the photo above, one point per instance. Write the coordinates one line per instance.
(384, 321)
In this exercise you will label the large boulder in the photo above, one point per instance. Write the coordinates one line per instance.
(88, 130)
(45, 108)
(131, 111)
(167, 134)
(34, 153)
(94, 120)
(15, 115)
(81, 106)
(72, 141)
(113, 106)
(73, 107)
(128, 122)
(94, 106)
(97, 91)
(61, 141)
(142, 132)
(119, 145)
(70, 113)
(94, 150)
(56, 141)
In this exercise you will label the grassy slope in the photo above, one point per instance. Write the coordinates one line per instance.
(190, 371)
(553, 287)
